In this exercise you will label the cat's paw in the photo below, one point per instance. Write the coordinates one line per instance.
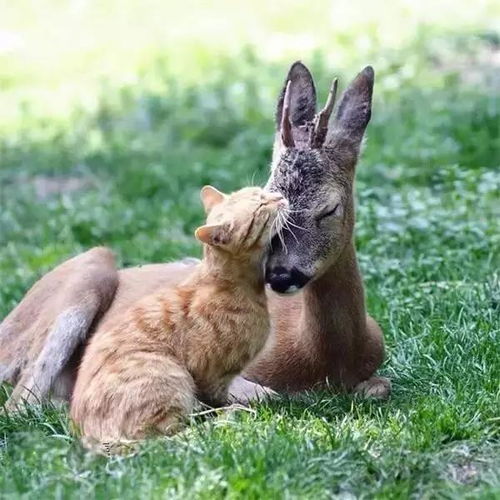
(243, 391)
(374, 388)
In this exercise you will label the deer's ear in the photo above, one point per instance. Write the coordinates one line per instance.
(302, 97)
(210, 197)
(212, 234)
(353, 114)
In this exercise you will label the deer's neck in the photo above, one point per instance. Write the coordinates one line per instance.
(334, 308)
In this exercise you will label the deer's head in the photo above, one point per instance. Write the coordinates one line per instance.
(313, 166)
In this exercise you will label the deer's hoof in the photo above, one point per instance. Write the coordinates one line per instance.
(374, 388)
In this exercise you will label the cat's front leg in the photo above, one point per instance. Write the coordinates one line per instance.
(244, 391)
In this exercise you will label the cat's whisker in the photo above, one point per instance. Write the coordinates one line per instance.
(288, 224)
(289, 221)
(289, 210)
(290, 230)
(272, 232)
(253, 178)
(282, 220)
(285, 222)
(296, 226)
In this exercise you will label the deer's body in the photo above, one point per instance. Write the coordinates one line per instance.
(307, 347)
(322, 336)
(319, 336)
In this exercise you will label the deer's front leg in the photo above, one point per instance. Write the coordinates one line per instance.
(374, 387)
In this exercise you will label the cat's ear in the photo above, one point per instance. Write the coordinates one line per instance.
(212, 234)
(210, 197)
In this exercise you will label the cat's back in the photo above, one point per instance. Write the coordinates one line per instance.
(199, 322)
(149, 323)
(143, 282)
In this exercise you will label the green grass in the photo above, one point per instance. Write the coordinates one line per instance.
(428, 240)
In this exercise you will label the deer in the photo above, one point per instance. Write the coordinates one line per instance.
(321, 335)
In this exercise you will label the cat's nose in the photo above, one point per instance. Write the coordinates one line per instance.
(282, 280)
(282, 203)
(273, 196)
(277, 198)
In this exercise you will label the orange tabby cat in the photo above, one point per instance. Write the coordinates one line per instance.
(144, 375)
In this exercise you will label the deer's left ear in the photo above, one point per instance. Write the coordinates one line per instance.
(211, 197)
(353, 115)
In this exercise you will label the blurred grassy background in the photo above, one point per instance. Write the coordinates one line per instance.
(115, 113)
(125, 108)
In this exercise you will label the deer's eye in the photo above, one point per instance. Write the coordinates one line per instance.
(329, 212)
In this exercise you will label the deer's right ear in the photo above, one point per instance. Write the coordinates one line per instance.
(210, 197)
(353, 115)
(301, 101)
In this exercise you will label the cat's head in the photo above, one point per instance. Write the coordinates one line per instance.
(242, 222)
(313, 167)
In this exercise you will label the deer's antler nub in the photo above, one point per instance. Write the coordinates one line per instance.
(286, 125)
(321, 121)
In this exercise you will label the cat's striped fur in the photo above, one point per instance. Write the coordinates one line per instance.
(183, 344)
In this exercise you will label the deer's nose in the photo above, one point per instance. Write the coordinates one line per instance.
(283, 280)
